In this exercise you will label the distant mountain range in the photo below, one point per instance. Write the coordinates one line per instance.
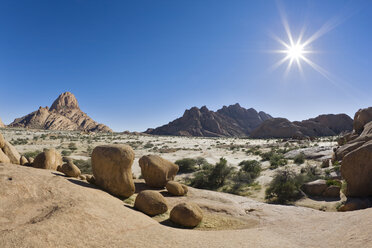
(64, 114)
(236, 121)
(227, 121)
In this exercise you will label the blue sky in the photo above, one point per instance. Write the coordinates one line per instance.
(139, 64)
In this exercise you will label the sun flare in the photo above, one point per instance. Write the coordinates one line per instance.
(296, 51)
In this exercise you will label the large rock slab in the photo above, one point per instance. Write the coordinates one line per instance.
(12, 153)
(157, 171)
(112, 169)
(318, 153)
(356, 169)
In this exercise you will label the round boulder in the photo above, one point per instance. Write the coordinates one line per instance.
(49, 159)
(112, 169)
(315, 188)
(186, 214)
(176, 189)
(23, 160)
(69, 168)
(151, 202)
(157, 171)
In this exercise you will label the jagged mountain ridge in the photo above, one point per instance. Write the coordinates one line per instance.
(323, 125)
(232, 120)
(64, 114)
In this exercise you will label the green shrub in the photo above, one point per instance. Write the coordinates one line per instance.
(251, 168)
(148, 145)
(299, 159)
(277, 160)
(72, 146)
(66, 153)
(186, 165)
(85, 166)
(31, 154)
(211, 176)
(284, 187)
(333, 182)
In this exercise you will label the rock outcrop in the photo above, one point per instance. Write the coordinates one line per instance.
(2, 125)
(186, 214)
(233, 120)
(49, 159)
(64, 114)
(8, 153)
(151, 203)
(323, 125)
(112, 169)
(355, 153)
(157, 171)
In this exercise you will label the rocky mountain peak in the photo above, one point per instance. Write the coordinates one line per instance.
(66, 100)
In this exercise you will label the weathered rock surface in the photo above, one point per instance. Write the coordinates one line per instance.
(356, 169)
(361, 118)
(317, 153)
(69, 168)
(112, 169)
(151, 203)
(323, 125)
(186, 214)
(3, 158)
(353, 204)
(50, 159)
(40, 209)
(233, 120)
(23, 160)
(64, 114)
(332, 191)
(12, 153)
(157, 171)
(176, 189)
(2, 125)
(315, 188)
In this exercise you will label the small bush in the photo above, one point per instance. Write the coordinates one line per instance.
(186, 165)
(85, 166)
(333, 182)
(251, 168)
(66, 153)
(299, 159)
(31, 154)
(72, 146)
(211, 176)
(284, 187)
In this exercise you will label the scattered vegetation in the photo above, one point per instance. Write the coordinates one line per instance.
(31, 154)
(299, 159)
(85, 166)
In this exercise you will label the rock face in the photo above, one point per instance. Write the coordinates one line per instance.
(157, 171)
(151, 203)
(8, 153)
(361, 118)
(64, 114)
(186, 214)
(228, 121)
(50, 159)
(112, 169)
(356, 169)
(356, 155)
(323, 125)
(176, 189)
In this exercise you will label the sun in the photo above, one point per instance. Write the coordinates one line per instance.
(295, 51)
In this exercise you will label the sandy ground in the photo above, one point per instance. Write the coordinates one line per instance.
(41, 208)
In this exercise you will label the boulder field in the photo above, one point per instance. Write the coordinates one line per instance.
(42, 208)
